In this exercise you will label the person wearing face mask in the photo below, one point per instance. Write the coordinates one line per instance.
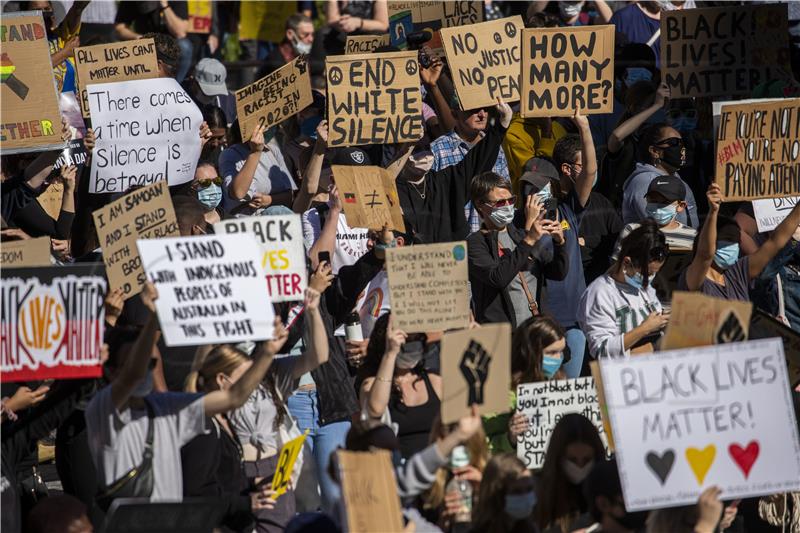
(620, 312)
(207, 188)
(507, 497)
(661, 151)
(297, 41)
(603, 492)
(574, 448)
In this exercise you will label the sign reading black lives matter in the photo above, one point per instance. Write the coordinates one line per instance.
(567, 69)
(374, 99)
(211, 289)
(146, 130)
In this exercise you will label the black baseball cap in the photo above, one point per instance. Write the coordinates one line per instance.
(538, 172)
(670, 187)
(351, 156)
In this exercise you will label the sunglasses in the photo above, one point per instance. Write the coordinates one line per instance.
(671, 142)
(205, 182)
(502, 203)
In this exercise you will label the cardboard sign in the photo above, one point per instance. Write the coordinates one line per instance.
(426, 15)
(147, 131)
(364, 44)
(28, 99)
(564, 69)
(51, 199)
(281, 249)
(373, 99)
(369, 197)
(758, 150)
(286, 460)
(428, 286)
(52, 322)
(476, 370)
(25, 253)
(685, 420)
(145, 213)
(199, 16)
(763, 326)
(699, 320)
(104, 63)
(211, 289)
(724, 50)
(771, 212)
(275, 97)
(74, 154)
(543, 404)
(484, 60)
(594, 367)
(369, 491)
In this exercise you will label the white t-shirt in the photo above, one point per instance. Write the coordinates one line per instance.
(116, 439)
(373, 302)
(351, 243)
(271, 175)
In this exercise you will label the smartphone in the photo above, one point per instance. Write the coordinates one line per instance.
(551, 212)
(324, 257)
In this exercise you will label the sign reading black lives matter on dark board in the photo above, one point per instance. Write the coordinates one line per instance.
(484, 61)
(724, 50)
(374, 99)
(567, 69)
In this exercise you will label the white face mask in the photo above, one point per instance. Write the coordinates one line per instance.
(419, 164)
(569, 10)
(576, 474)
(502, 216)
(300, 47)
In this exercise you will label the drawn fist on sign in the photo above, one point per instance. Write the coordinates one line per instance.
(475, 369)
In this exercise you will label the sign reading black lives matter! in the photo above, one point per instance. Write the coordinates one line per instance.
(567, 69)
(147, 131)
(374, 99)
(211, 289)
(484, 61)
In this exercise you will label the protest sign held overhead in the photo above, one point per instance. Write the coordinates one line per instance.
(275, 97)
(145, 213)
(374, 99)
(407, 16)
(369, 491)
(364, 44)
(758, 150)
(484, 60)
(147, 131)
(211, 289)
(28, 99)
(25, 253)
(685, 420)
(697, 320)
(52, 322)
(104, 63)
(543, 405)
(771, 212)
(724, 50)
(283, 256)
(567, 69)
(369, 197)
(428, 286)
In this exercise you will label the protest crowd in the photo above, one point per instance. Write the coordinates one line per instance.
(378, 265)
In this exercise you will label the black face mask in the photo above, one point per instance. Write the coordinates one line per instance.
(633, 521)
(672, 156)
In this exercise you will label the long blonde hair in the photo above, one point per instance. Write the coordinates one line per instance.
(208, 362)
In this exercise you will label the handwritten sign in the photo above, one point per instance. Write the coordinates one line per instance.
(51, 199)
(28, 99)
(428, 286)
(145, 213)
(286, 461)
(369, 197)
(564, 69)
(430, 15)
(283, 255)
(52, 322)
(724, 50)
(695, 320)
(104, 63)
(485, 61)
(374, 99)
(369, 491)
(685, 420)
(25, 253)
(211, 289)
(758, 150)
(364, 44)
(199, 16)
(543, 405)
(147, 131)
(764, 326)
(771, 212)
(275, 97)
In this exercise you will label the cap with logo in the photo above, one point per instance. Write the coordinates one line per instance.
(210, 75)
(538, 172)
(352, 156)
(670, 187)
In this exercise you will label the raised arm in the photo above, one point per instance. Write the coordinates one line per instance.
(313, 171)
(707, 242)
(585, 180)
(627, 128)
(430, 78)
(327, 237)
(244, 178)
(780, 236)
(604, 12)
(377, 390)
(317, 352)
(177, 26)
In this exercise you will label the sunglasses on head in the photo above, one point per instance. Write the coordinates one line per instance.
(671, 142)
(205, 182)
(502, 203)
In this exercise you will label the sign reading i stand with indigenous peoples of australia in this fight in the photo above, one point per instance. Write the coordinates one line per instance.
(283, 255)
(211, 289)
(484, 61)
(374, 99)
(567, 69)
(758, 150)
(31, 120)
(146, 130)
(52, 322)
(724, 50)
(685, 420)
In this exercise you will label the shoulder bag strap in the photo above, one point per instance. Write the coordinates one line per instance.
(151, 415)
(532, 305)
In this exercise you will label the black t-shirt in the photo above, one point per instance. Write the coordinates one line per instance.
(147, 17)
(599, 229)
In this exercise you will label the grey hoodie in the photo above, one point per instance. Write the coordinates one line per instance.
(634, 203)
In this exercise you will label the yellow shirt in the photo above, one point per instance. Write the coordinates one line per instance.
(524, 140)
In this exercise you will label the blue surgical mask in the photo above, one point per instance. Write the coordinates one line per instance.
(663, 215)
(637, 280)
(550, 365)
(636, 74)
(210, 196)
(727, 254)
(520, 506)
(502, 216)
(545, 194)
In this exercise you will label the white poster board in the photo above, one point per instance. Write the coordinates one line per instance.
(147, 131)
(771, 211)
(282, 253)
(544, 403)
(684, 420)
(211, 289)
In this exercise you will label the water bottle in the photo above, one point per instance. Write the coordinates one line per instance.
(352, 327)
(459, 458)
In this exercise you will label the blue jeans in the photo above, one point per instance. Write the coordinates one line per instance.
(185, 61)
(322, 440)
(576, 341)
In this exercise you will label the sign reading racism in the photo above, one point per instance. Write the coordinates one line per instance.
(369, 197)
(771, 212)
(364, 44)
